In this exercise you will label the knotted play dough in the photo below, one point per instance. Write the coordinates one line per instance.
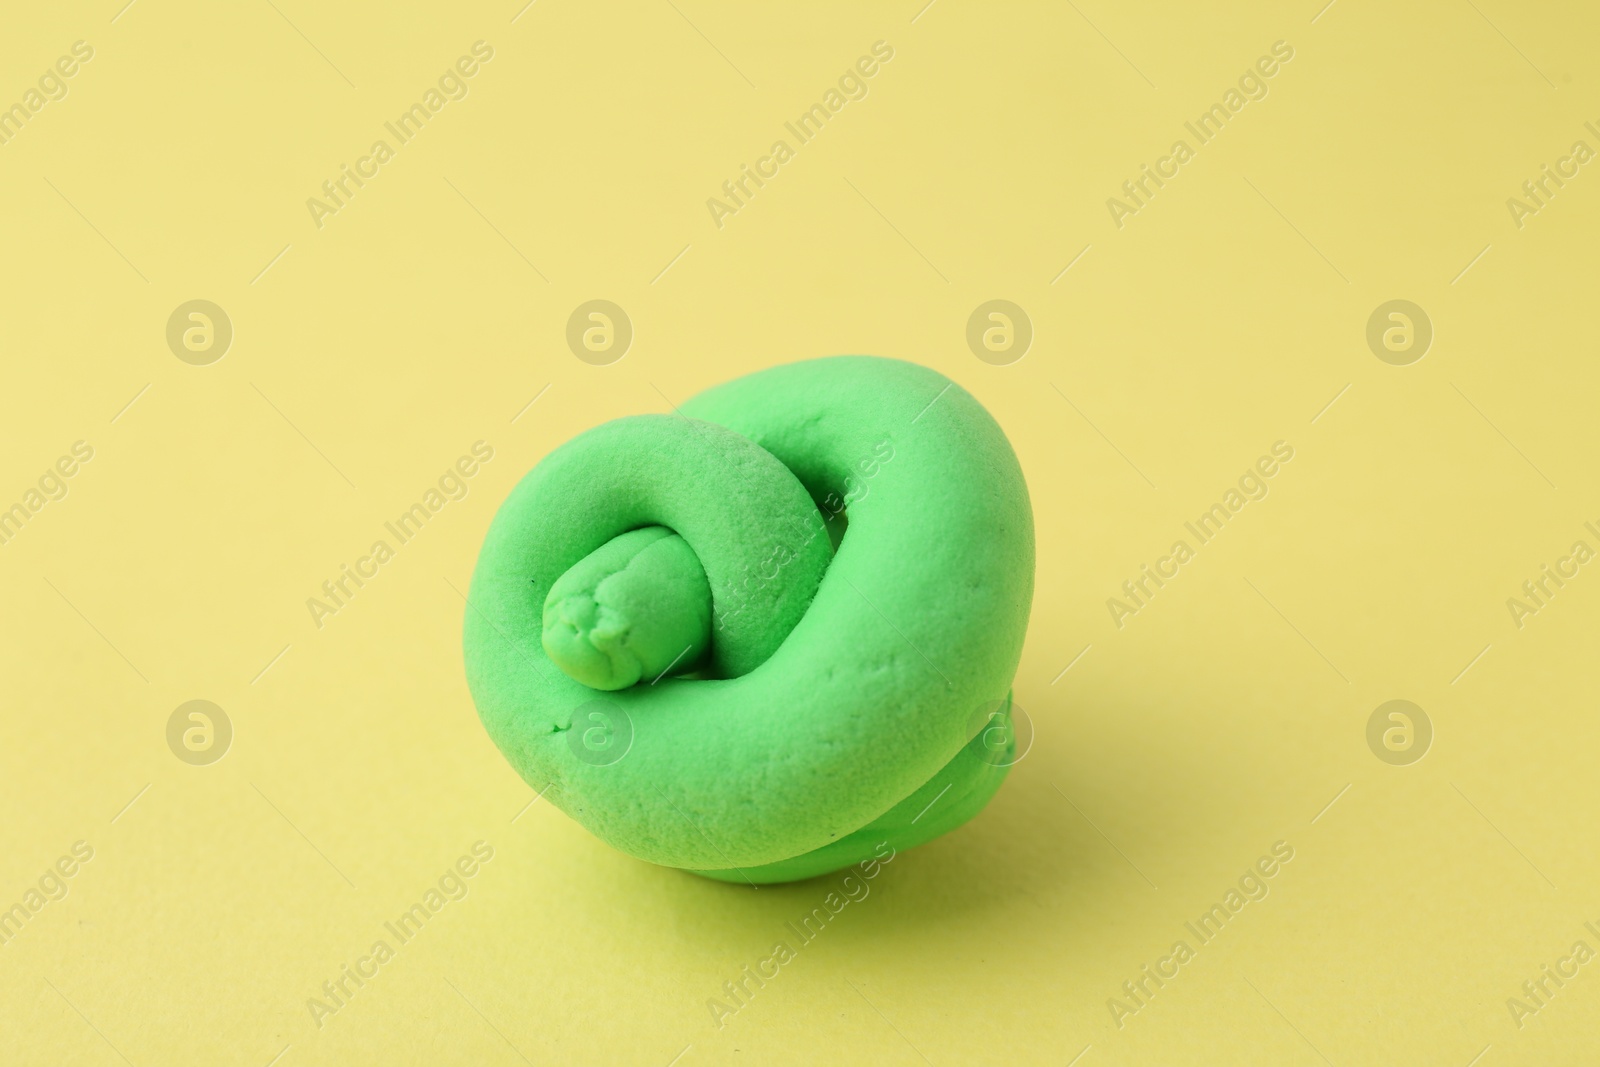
(760, 637)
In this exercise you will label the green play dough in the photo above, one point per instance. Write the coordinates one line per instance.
(634, 608)
(847, 697)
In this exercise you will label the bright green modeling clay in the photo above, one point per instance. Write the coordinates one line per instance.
(758, 639)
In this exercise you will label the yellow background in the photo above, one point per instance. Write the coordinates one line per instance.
(1224, 717)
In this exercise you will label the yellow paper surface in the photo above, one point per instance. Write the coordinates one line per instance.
(1175, 341)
